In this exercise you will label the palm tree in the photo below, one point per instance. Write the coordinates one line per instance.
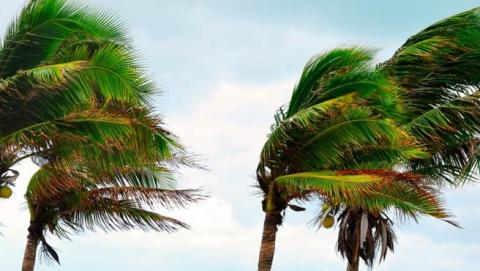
(337, 140)
(76, 101)
(69, 74)
(87, 197)
(437, 72)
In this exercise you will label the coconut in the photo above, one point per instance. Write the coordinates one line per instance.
(5, 192)
(328, 222)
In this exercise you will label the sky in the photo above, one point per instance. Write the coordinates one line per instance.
(224, 67)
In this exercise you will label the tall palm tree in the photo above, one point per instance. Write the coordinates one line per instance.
(436, 72)
(337, 140)
(68, 73)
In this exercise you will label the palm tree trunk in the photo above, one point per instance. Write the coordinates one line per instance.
(353, 266)
(30, 253)
(267, 249)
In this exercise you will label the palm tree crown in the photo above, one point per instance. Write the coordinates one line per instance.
(339, 140)
(69, 74)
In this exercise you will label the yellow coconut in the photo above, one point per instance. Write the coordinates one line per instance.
(5, 192)
(328, 222)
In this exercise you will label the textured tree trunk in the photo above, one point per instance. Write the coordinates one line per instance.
(267, 249)
(30, 253)
(353, 266)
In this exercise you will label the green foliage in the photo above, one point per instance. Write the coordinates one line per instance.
(44, 25)
(76, 100)
(80, 198)
(69, 76)
(437, 70)
(342, 112)
(318, 81)
(350, 138)
(372, 190)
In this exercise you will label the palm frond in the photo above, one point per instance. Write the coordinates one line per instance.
(439, 63)
(322, 67)
(87, 211)
(373, 190)
(43, 24)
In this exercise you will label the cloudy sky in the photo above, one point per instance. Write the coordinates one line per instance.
(224, 67)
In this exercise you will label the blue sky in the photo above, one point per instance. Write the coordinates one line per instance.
(224, 67)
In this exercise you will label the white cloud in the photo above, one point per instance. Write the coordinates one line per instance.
(232, 121)
(421, 252)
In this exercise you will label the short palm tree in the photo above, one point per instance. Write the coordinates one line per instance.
(337, 140)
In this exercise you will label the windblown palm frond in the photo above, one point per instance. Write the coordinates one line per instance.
(319, 79)
(437, 70)
(360, 200)
(43, 25)
(67, 202)
(371, 190)
(65, 72)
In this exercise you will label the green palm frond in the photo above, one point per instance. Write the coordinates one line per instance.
(373, 190)
(89, 211)
(323, 139)
(84, 78)
(322, 68)
(437, 70)
(439, 63)
(42, 26)
(301, 120)
(114, 127)
(459, 115)
(349, 129)
(79, 199)
(383, 156)
(54, 74)
(151, 196)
